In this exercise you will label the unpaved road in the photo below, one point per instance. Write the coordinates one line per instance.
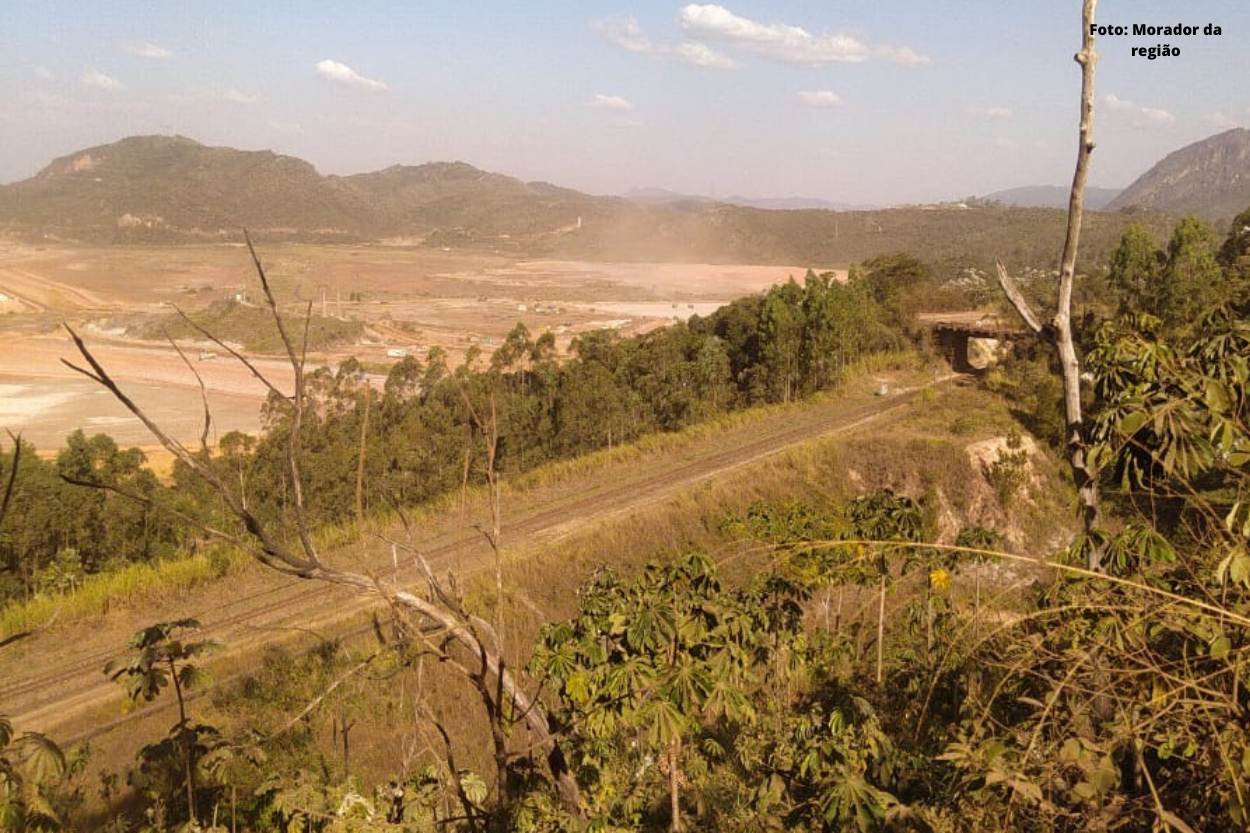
(54, 676)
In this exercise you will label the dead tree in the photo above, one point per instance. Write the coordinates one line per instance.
(437, 616)
(1058, 331)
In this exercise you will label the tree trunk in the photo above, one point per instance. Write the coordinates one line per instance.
(360, 461)
(674, 781)
(188, 766)
(1085, 479)
(1059, 331)
(881, 630)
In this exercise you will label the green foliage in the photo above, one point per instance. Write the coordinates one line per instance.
(161, 657)
(676, 688)
(1135, 267)
(29, 763)
(250, 325)
(1183, 284)
(1009, 472)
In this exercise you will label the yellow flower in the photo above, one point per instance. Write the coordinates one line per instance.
(940, 580)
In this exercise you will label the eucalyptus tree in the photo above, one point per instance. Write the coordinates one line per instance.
(30, 760)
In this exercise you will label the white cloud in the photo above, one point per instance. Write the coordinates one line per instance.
(94, 78)
(625, 33)
(628, 35)
(42, 72)
(989, 112)
(904, 55)
(343, 74)
(235, 96)
(819, 98)
(1222, 120)
(611, 102)
(700, 55)
(786, 43)
(148, 50)
(779, 41)
(1004, 143)
(286, 126)
(1138, 115)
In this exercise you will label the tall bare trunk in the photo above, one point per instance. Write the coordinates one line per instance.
(188, 765)
(360, 461)
(1059, 330)
(674, 783)
(881, 630)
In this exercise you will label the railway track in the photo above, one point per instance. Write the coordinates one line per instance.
(52, 693)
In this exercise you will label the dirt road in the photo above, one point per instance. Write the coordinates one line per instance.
(48, 679)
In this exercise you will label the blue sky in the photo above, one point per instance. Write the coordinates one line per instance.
(868, 102)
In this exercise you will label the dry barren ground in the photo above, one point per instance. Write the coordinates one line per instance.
(52, 681)
(409, 297)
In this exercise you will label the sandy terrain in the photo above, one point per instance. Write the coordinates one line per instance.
(410, 299)
(45, 400)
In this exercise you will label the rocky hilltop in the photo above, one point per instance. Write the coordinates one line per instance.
(1210, 178)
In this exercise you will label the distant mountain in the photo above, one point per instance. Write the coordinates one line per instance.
(171, 187)
(797, 204)
(662, 196)
(147, 185)
(1210, 178)
(1052, 196)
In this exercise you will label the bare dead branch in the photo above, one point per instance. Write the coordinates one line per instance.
(208, 414)
(243, 360)
(320, 698)
(273, 304)
(360, 460)
(11, 481)
(157, 505)
(273, 553)
(442, 611)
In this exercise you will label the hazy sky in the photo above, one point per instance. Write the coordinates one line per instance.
(876, 102)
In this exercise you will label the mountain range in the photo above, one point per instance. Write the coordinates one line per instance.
(662, 196)
(171, 189)
(172, 186)
(1052, 196)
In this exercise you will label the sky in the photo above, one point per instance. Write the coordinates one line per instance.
(882, 102)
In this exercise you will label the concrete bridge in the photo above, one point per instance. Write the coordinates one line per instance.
(954, 332)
